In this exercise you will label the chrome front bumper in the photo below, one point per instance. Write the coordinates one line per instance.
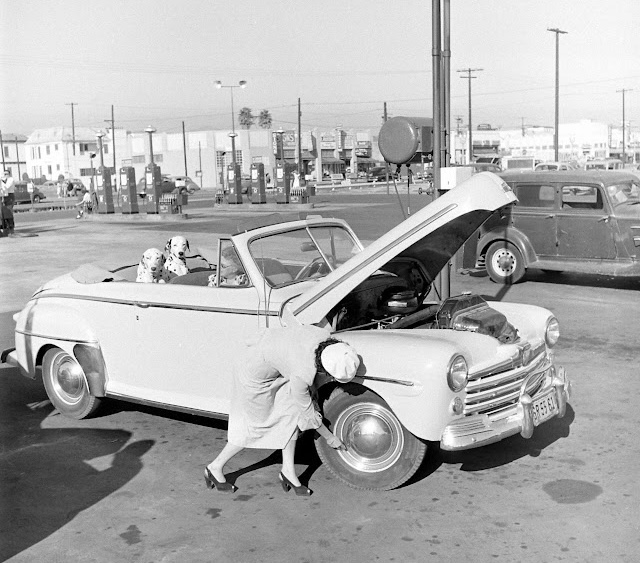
(479, 430)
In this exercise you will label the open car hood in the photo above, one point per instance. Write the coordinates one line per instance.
(431, 236)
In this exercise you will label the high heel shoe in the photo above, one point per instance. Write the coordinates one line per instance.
(213, 483)
(301, 491)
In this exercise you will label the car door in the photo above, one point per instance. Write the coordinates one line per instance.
(186, 340)
(585, 229)
(535, 215)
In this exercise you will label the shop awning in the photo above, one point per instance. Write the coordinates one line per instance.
(331, 160)
(364, 160)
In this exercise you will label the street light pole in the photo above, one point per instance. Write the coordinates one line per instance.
(557, 118)
(150, 130)
(623, 125)
(233, 135)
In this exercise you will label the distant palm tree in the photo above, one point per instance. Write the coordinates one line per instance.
(246, 118)
(264, 119)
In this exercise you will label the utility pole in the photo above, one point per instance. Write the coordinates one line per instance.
(557, 118)
(18, 155)
(184, 149)
(522, 120)
(73, 126)
(113, 146)
(624, 160)
(300, 174)
(469, 77)
(386, 164)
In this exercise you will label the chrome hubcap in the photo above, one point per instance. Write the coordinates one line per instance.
(68, 379)
(504, 262)
(373, 437)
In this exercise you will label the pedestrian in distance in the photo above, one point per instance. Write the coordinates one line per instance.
(272, 399)
(84, 205)
(7, 199)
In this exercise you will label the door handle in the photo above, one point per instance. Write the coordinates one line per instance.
(604, 219)
(142, 305)
(549, 216)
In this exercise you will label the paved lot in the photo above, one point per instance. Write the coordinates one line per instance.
(127, 485)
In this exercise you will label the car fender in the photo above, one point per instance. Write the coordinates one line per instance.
(45, 323)
(408, 370)
(509, 234)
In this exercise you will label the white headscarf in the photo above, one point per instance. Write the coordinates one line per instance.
(341, 361)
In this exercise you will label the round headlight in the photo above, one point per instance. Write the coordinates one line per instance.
(457, 373)
(553, 332)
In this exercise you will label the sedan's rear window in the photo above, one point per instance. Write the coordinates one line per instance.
(535, 195)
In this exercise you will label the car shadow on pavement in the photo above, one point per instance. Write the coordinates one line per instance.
(583, 280)
(49, 475)
(512, 448)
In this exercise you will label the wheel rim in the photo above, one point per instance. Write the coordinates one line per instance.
(68, 379)
(373, 436)
(504, 262)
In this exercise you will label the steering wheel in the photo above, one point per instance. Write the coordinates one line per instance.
(314, 269)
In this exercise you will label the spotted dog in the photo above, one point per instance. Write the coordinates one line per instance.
(176, 263)
(151, 267)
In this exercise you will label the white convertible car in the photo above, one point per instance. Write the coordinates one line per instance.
(461, 372)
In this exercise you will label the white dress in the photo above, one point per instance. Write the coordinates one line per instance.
(271, 396)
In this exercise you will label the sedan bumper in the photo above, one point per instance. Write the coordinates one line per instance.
(479, 430)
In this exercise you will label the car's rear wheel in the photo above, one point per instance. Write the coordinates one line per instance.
(505, 263)
(66, 385)
(381, 454)
(36, 199)
(191, 191)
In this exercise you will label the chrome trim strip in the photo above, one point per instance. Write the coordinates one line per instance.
(165, 406)
(38, 335)
(375, 256)
(158, 305)
(386, 380)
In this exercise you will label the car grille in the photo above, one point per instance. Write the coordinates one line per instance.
(498, 388)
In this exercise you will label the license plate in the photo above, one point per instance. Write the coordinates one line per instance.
(544, 408)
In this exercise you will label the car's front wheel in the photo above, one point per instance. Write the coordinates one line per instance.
(381, 454)
(505, 263)
(36, 199)
(191, 191)
(66, 385)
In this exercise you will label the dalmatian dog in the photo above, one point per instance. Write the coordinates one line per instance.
(151, 267)
(176, 263)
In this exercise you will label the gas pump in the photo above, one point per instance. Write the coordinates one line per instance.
(153, 183)
(235, 183)
(258, 193)
(104, 191)
(283, 182)
(129, 197)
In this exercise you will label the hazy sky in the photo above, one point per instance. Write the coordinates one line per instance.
(157, 61)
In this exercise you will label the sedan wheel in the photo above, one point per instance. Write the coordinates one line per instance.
(504, 263)
(381, 454)
(66, 385)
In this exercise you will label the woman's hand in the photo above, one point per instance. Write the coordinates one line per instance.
(335, 442)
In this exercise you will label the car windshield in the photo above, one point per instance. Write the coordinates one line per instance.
(302, 254)
(624, 194)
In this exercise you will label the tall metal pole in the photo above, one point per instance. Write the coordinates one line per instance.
(113, 146)
(200, 162)
(437, 110)
(557, 112)
(300, 174)
(469, 77)
(386, 164)
(184, 149)
(446, 80)
(241, 84)
(2, 151)
(624, 148)
(150, 130)
(73, 126)
(18, 154)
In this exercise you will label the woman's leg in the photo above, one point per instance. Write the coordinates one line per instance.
(217, 465)
(288, 454)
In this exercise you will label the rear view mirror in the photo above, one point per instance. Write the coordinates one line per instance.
(307, 246)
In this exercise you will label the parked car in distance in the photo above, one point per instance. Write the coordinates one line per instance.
(167, 186)
(379, 174)
(553, 166)
(49, 184)
(486, 167)
(22, 194)
(73, 187)
(461, 372)
(604, 164)
(519, 162)
(575, 220)
(185, 182)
